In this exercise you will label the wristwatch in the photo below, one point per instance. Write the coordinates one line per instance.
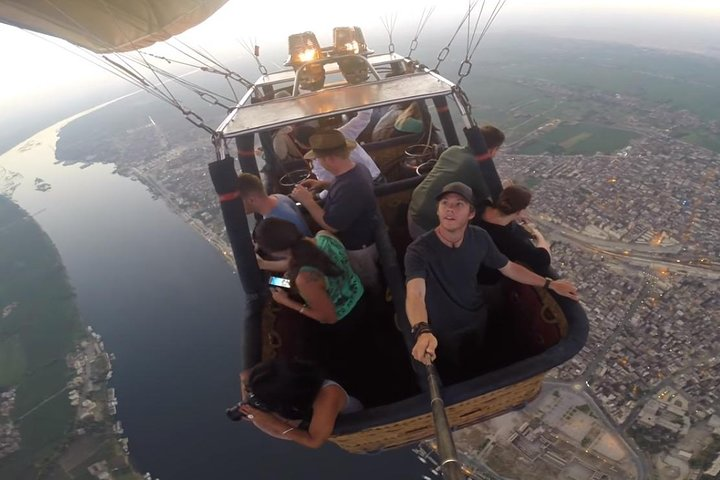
(419, 329)
(548, 281)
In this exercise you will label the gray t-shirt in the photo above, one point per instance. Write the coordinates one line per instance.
(453, 296)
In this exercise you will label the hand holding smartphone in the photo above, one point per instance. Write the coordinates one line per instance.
(279, 282)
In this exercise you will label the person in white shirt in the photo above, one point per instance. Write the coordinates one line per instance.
(351, 130)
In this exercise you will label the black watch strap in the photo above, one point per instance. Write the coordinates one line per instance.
(419, 329)
(548, 281)
(418, 326)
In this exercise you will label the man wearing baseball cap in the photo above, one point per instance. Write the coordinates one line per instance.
(445, 304)
(456, 164)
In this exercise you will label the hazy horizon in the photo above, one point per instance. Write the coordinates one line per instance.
(50, 78)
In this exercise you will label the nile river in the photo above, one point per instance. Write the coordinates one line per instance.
(169, 307)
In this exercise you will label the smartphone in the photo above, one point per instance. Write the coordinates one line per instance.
(279, 282)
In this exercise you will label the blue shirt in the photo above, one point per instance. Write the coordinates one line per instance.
(287, 210)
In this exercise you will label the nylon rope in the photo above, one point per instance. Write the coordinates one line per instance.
(496, 11)
(421, 26)
(254, 53)
(470, 41)
(211, 69)
(446, 49)
(128, 40)
(93, 60)
(128, 73)
(208, 95)
(389, 23)
(466, 65)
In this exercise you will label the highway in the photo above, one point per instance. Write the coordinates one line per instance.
(587, 376)
(551, 231)
(666, 382)
(633, 449)
(616, 245)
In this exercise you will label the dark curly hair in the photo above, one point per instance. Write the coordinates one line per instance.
(513, 199)
(287, 388)
(274, 235)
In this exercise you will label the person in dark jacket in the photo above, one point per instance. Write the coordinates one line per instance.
(520, 243)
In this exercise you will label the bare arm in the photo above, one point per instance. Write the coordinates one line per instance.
(357, 124)
(244, 377)
(539, 239)
(328, 404)
(278, 266)
(326, 408)
(415, 302)
(424, 349)
(318, 214)
(522, 275)
(311, 286)
(320, 307)
(314, 185)
(303, 195)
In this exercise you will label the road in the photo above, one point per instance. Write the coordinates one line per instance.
(587, 376)
(615, 245)
(664, 383)
(633, 449)
(21, 417)
(709, 271)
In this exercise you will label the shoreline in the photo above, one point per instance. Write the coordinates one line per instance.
(168, 197)
(61, 392)
(150, 183)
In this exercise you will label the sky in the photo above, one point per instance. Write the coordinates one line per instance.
(42, 69)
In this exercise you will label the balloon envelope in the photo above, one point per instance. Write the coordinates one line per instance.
(105, 26)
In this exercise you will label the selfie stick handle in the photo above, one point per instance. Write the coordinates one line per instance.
(446, 446)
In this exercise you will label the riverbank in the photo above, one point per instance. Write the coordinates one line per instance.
(56, 410)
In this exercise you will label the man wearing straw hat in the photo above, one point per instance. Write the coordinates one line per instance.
(350, 209)
(351, 130)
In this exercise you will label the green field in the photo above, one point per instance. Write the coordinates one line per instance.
(682, 81)
(12, 361)
(34, 341)
(703, 139)
(578, 139)
(503, 92)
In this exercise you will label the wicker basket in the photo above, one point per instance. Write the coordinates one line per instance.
(460, 415)
(468, 412)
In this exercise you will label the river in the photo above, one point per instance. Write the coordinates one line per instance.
(169, 307)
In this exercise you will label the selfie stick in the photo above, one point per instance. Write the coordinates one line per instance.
(446, 446)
